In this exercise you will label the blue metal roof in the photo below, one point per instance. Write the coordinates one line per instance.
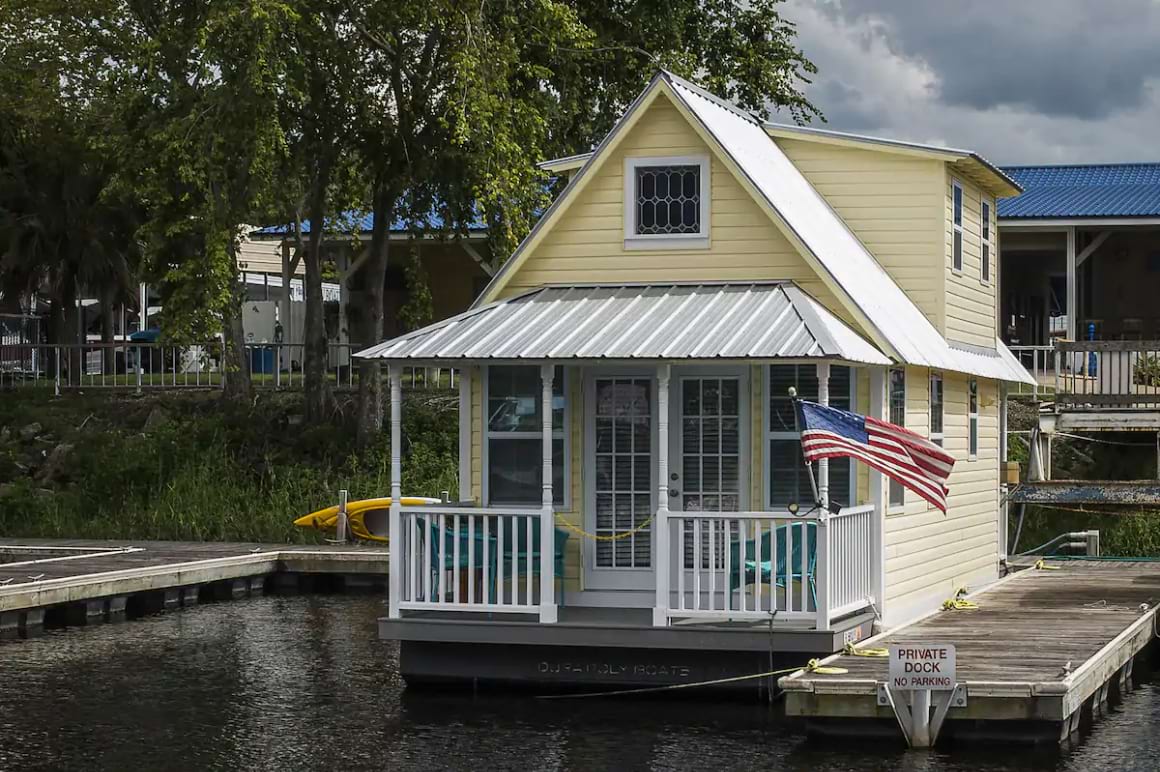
(1098, 190)
(359, 222)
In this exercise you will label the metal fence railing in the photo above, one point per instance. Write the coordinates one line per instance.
(1040, 362)
(144, 366)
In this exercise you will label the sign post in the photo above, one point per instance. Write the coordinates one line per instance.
(918, 671)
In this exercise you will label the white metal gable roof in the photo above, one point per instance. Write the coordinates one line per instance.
(737, 321)
(883, 304)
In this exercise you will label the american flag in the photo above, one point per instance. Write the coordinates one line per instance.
(901, 455)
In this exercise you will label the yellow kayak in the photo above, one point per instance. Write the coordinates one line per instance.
(367, 518)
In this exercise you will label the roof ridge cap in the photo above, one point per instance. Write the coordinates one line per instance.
(676, 80)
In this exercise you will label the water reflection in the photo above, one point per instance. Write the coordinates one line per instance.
(291, 683)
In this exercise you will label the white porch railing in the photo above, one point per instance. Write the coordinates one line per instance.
(851, 560)
(471, 559)
(751, 565)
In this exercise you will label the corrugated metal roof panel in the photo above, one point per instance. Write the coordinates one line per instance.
(1100, 190)
(704, 321)
(786, 189)
(827, 237)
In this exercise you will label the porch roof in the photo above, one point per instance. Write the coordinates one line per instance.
(749, 320)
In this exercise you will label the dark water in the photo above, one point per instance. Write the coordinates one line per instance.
(289, 683)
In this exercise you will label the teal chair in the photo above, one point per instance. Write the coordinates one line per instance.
(515, 548)
(760, 561)
(518, 548)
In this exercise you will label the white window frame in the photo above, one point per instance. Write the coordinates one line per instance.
(939, 437)
(986, 248)
(972, 419)
(957, 227)
(485, 464)
(768, 434)
(634, 240)
(891, 506)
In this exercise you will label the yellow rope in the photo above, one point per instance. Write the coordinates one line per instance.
(854, 651)
(816, 666)
(597, 537)
(959, 604)
(1040, 565)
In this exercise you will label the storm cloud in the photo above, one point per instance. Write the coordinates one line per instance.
(1032, 81)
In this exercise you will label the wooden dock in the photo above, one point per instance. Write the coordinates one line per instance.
(76, 581)
(1044, 651)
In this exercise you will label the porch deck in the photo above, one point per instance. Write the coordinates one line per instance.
(1044, 650)
(626, 628)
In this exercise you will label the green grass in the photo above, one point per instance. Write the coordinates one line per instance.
(210, 471)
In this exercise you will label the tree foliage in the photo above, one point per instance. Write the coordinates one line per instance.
(197, 117)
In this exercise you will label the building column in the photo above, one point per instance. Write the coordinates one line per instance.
(143, 314)
(822, 561)
(1004, 507)
(395, 376)
(548, 519)
(878, 492)
(465, 419)
(1072, 293)
(284, 355)
(661, 566)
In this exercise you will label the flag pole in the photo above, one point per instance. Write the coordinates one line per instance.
(809, 467)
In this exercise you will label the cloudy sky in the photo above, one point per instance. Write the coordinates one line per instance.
(1020, 81)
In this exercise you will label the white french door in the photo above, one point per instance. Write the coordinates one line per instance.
(620, 492)
(709, 459)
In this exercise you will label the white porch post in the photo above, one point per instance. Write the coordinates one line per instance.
(661, 520)
(878, 491)
(1003, 489)
(822, 563)
(395, 569)
(548, 519)
(1072, 294)
(465, 419)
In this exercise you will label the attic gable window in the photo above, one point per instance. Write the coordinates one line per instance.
(666, 202)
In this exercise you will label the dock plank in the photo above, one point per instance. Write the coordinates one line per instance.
(39, 577)
(1040, 633)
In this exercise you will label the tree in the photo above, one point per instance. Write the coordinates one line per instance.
(201, 84)
(322, 90)
(63, 225)
(466, 97)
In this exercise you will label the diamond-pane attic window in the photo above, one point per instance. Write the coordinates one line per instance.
(668, 199)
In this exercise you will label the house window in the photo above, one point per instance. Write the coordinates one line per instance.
(514, 459)
(785, 470)
(666, 200)
(957, 223)
(985, 238)
(898, 418)
(936, 409)
(973, 417)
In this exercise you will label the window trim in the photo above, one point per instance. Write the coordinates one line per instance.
(634, 240)
(986, 247)
(957, 227)
(939, 437)
(972, 419)
(485, 442)
(768, 435)
(891, 507)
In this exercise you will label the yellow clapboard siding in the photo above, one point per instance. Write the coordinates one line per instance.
(587, 244)
(925, 549)
(971, 302)
(893, 203)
